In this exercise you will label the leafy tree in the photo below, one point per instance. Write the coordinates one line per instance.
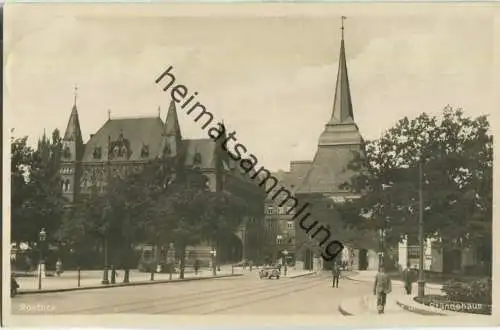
(106, 217)
(186, 206)
(455, 154)
(36, 196)
(21, 159)
(225, 213)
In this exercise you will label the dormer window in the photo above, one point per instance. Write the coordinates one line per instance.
(197, 159)
(97, 153)
(145, 151)
(167, 150)
(123, 151)
(66, 152)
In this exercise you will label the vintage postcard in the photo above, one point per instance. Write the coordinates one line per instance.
(249, 164)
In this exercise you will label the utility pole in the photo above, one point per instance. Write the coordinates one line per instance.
(421, 280)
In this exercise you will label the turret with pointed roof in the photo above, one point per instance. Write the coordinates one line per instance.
(72, 153)
(337, 142)
(73, 131)
(172, 141)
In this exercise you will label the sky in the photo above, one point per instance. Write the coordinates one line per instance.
(269, 71)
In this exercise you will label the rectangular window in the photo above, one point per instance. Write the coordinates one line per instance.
(290, 224)
(413, 252)
(270, 210)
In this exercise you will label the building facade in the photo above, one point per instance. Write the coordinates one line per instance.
(123, 145)
(280, 234)
(328, 171)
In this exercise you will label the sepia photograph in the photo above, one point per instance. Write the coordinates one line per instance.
(248, 162)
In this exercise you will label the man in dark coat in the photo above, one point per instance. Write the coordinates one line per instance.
(196, 266)
(335, 275)
(381, 288)
(408, 278)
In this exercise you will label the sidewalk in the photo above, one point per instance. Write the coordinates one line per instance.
(397, 302)
(91, 279)
(369, 276)
(291, 272)
(294, 273)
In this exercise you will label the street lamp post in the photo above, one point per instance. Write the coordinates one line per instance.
(105, 279)
(380, 248)
(213, 253)
(421, 280)
(41, 263)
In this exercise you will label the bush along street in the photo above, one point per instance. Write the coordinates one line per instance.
(466, 297)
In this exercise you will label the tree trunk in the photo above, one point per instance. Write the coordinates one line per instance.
(182, 256)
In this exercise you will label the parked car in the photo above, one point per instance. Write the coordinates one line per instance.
(270, 273)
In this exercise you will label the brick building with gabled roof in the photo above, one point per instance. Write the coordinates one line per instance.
(122, 145)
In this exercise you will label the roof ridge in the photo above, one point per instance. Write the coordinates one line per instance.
(135, 117)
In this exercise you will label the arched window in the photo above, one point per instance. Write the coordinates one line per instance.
(145, 151)
(167, 150)
(197, 159)
(66, 152)
(97, 153)
(66, 186)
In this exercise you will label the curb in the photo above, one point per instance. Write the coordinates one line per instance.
(343, 311)
(416, 310)
(350, 278)
(428, 285)
(118, 285)
(302, 275)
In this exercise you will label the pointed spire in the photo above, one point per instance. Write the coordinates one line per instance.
(172, 126)
(73, 131)
(75, 96)
(342, 104)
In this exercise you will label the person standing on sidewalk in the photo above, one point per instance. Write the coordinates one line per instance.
(408, 278)
(59, 266)
(196, 266)
(381, 288)
(335, 275)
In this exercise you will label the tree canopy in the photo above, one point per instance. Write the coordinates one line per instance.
(36, 200)
(455, 153)
(158, 204)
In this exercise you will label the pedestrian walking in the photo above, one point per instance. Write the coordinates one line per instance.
(408, 278)
(59, 267)
(335, 275)
(14, 286)
(381, 288)
(196, 266)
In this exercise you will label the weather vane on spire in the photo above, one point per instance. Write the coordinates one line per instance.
(342, 18)
(75, 94)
